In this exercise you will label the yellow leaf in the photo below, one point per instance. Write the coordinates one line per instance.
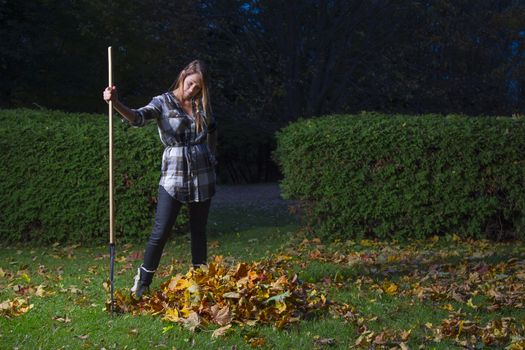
(178, 283)
(25, 277)
(281, 307)
(390, 288)
(469, 303)
(167, 328)
(186, 311)
(121, 259)
(460, 328)
(171, 315)
(448, 307)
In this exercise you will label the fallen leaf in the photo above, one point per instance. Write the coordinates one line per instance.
(219, 332)
(324, 341)
(192, 322)
(221, 316)
(64, 319)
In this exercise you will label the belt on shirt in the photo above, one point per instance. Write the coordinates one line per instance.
(185, 144)
(185, 154)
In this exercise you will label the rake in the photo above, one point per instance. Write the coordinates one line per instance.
(111, 203)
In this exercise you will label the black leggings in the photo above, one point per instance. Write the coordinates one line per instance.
(167, 211)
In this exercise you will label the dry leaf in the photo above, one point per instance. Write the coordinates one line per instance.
(219, 332)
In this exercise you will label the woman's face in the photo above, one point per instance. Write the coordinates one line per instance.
(192, 86)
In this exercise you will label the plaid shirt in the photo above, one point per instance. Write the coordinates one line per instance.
(188, 166)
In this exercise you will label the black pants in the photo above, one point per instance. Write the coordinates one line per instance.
(167, 210)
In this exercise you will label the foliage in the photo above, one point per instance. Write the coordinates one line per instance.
(55, 180)
(406, 176)
(256, 293)
(269, 61)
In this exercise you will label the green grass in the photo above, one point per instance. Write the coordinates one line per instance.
(76, 275)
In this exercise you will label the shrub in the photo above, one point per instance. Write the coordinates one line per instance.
(55, 180)
(398, 176)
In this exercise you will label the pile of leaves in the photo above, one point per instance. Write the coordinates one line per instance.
(226, 294)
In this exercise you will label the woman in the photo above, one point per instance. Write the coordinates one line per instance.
(188, 130)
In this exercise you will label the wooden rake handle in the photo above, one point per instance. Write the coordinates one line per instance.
(110, 114)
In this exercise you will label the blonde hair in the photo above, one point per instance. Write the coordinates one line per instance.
(202, 99)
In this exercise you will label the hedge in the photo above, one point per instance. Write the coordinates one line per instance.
(399, 176)
(54, 183)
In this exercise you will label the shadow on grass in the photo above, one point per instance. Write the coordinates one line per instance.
(423, 262)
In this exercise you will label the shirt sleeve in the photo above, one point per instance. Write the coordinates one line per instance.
(144, 114)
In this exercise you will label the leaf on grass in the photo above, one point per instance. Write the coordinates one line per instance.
(15, 307)
(256, 342)
(318, 341)
(405, 334)
(40, 292)
(192, 322)
(25, 277)
(219, 332)
(64, 319)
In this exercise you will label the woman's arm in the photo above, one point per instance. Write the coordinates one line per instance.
(135, 117)
(110, 94)
(126, 112)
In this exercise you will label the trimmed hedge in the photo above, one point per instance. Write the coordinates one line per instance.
(54, 182)
(397, 176)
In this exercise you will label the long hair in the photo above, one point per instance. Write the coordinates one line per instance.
(201, 101)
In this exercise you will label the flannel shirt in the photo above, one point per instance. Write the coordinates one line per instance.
(188, 166)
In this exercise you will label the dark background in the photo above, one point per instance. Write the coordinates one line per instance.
(271, 62)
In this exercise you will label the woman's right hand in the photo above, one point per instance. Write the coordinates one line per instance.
(110, 94)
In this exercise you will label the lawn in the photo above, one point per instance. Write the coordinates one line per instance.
(443, 293)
